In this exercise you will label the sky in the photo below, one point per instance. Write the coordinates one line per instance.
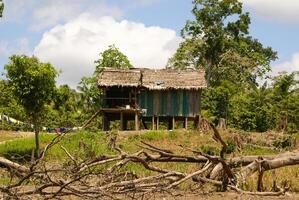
(70, 34)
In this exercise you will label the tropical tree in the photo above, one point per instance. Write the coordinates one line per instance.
(186, 55)
(110, 58)
(33, 85)
(218, 41)
(9, 106)
(286, 100)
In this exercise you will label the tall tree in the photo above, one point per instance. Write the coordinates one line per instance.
(221, 32)
(218, 41)
(33, 84)
(110, 58)
(286, 100)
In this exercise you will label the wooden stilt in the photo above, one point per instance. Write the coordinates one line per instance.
(105, 122)
(125, 123)
(186, 123)
(136, 121)
(169, 123)
(173, 123)
(121, 121)
(196, 122)
(153, 122)
(157, 126)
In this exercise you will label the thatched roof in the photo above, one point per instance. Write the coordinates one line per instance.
(152, 79)
(113, 77)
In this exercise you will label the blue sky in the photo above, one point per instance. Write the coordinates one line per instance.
(71, 33)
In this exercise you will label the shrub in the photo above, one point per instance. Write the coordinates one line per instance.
(284, 142)
(231, 147)
(211, 150)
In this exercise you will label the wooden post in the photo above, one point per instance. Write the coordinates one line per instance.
(105, 122)
(157, 126)
(121, 121)
(196, 122)
(125, 123)
(169, 123)
(173, 123)
(186, 123)
(153, 122)
(136, 121)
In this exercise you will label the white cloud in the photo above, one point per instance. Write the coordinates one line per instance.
(53, 12)
(15, 10)
(288, 66)
(282, 10)
(73, 47)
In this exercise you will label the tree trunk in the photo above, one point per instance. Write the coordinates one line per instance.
(222, 124)
(209, 73)
(12, 165)
(287, 159)
(37, 146)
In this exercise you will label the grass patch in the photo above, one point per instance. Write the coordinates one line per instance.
(81, 145)
(259, 151)
(21, 148)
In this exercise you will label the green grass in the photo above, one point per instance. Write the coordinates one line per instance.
(92, 144)
(259, 151)
(21, 148)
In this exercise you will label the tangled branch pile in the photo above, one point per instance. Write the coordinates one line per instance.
(105, 176)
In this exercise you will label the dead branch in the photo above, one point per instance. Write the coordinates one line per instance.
(13, 166)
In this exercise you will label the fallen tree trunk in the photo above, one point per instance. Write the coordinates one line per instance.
(13, 166)
(261, 165)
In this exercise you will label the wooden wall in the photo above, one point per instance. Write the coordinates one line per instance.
(178, 103)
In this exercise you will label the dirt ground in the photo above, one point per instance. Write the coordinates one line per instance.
(10, 135)
(226, 195)
(210, 196)
(200, 196)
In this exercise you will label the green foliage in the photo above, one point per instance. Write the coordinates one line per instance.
(252, 110)
(255, 108)
(32, 83)
(186, 55)
(88, 87)
(211, 150)
(285, 142)
(112, 58)
(8, 103)
(90, 93)
(231, 147)
(225, 48)
(66, 108)
(218, 41)
(286, 99)
(216, 100)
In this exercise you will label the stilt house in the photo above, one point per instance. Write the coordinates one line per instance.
(151, 96)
